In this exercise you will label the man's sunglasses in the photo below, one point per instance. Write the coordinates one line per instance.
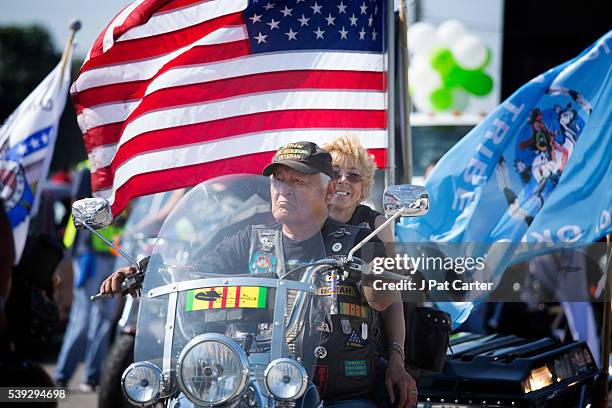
(352, 177)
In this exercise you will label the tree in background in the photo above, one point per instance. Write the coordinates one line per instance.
(27, 58)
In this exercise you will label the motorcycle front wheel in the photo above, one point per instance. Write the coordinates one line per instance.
(120, 357)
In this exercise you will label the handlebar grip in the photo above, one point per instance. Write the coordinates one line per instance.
(97, 297)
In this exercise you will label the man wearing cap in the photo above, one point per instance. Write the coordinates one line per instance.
(301, 186)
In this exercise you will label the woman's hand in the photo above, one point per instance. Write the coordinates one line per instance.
(396, 375)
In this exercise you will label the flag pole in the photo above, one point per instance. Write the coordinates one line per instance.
(605, 332)
(390, 173)
(405, 103)
(75, 26)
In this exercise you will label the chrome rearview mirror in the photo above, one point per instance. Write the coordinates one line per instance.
(91, 212)
(411, 200)
(404, 200)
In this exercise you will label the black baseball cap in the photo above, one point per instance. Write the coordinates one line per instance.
(303, 157)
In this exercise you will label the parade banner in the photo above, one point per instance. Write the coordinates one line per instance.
(27, 141)
(176, 92)
(537, 170)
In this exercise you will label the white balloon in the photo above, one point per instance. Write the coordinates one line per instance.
(421, 102)
(469, 52)
(417, 63)
(450, 31)
(423, 78)
(421, 38)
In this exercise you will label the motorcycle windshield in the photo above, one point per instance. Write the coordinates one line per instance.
(142, 226)
(223, 267)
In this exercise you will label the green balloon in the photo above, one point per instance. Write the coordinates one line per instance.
(454, 77)
(441, 99)
(442, 60)
(476, 82)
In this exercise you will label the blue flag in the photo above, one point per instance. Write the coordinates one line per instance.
(538, 169)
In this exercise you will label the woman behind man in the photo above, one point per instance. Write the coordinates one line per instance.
(354, 169)
(355, 176)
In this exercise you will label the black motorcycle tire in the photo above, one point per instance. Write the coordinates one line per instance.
(120, 357)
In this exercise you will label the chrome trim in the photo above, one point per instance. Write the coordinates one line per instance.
(154, 368)
(279, 342)
(233, 346)
(297, 313)
(170, 320)
(228, 281)
(302, 371)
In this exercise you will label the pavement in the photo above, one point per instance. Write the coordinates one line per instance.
(76, 397)
(79, 399)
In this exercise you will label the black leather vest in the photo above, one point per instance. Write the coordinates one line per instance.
(347, 356)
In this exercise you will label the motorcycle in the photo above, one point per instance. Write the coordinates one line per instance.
(213, 333)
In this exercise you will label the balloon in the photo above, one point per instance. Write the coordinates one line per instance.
(419, 62)
(469, 52)
(487, 60)
(476, 82)
(421, 38)
(460, 100)
(442, 60)
(421, 101)
(450, 31)
(441, 99)
(423, 78)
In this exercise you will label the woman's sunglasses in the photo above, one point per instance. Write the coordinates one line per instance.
(352, 177)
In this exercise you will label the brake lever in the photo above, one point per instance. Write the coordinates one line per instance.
(130, 283)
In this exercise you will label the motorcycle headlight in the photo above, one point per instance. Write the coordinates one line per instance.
(285, 379)
(212, 369)
(142, 383)
(538, 378)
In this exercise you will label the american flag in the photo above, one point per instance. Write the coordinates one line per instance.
(175, 92)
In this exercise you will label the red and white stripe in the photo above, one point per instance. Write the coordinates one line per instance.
(170, 95)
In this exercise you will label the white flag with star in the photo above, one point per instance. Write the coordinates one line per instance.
(27, 139)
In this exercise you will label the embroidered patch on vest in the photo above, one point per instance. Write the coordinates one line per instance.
(342, 290)
(339, 233)
(262, 263)
(353, 340)
(355, 368)
(351, 309)
(320, 378)
(320, 352)
(346, 326)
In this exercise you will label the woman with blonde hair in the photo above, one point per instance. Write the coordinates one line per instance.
(354, 180)
(354, 175)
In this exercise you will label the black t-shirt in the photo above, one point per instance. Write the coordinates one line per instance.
(233, 252)
(364, 216)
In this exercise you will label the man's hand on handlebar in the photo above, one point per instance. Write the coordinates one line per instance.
(112, 285)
